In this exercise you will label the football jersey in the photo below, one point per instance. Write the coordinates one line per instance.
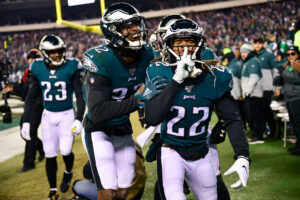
(57, 90)
(186, 124)
(124, 82)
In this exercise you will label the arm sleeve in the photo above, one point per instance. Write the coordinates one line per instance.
(33, 91)
(158, 107)
(100, 105)
(77, 86)
(20, 90)
(227, 110)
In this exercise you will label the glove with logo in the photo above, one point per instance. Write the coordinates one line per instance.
(25, 131)
(76, 127)
(241, 167)
(152, 88)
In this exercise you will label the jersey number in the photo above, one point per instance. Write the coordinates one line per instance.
(60, 88)
(181, 114)
(120, 93)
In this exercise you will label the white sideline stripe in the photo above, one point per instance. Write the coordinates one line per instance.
(11, 143)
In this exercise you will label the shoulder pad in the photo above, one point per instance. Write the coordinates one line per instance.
(95, 59)
(160, 64)
(76, 62)
(35, 64)
(223, 75)
(219, 68)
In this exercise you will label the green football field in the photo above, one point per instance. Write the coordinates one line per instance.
(274, 174)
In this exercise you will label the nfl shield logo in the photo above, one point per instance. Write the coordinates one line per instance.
(132, 71)
(188, 88)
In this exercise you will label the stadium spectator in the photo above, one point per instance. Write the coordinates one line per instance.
(297, 34)
(268, 65)
(289, 79)
(280, 58)
(252, 92)
(234, 26)
(235, 66)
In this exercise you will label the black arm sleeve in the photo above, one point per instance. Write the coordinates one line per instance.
(100, 105)
(20, 89)
(227, 110)
(158, 107)
(77, 86)
(33, 91)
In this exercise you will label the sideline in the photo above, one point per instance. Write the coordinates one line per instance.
(11, 143)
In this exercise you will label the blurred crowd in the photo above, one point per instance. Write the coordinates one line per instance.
(223, 29)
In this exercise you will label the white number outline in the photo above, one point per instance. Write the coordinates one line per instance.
(181, 114)
(48, 88)
(61, 85)
(123, 92)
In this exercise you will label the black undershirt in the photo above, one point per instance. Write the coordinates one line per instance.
(100, 106)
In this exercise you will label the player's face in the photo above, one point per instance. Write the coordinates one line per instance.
(180, 43)
(292, 55)
(56, 55)
(132, 31)
(258, 46)
(244, 55)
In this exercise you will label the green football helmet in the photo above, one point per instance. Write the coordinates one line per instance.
(118, 17)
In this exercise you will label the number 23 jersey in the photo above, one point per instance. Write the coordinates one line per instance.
(57, 90)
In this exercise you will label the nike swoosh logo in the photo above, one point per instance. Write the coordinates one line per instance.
(90, 55)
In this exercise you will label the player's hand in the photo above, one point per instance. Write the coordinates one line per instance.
(184, 68)
(241, 167)
(152, 88)
(25, 131)
(76, 127)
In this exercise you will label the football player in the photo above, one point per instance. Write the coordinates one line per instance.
(217, 136)
(114, 72)
(57, 77)
(184, 108)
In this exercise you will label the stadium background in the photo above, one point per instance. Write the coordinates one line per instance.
(273, 175)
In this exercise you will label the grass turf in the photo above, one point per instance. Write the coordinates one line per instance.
(274, 174)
